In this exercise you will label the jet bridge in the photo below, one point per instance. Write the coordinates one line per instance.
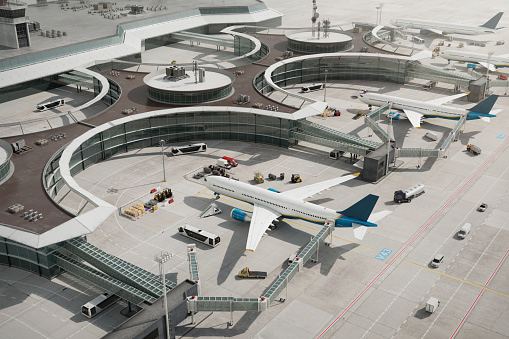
(230, 304)
(203, 39)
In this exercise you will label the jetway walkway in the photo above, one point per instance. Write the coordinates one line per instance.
(113, 285)
(203, 39)
(77, 78)
(230, 304)
(121, 270)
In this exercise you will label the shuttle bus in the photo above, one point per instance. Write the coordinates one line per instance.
(307, 89)
(99, 304)
(197, 234)
(179, 150)
(50, 104)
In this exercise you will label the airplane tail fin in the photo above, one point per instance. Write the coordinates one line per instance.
(362, 209)
(485, 106)
(493, 22)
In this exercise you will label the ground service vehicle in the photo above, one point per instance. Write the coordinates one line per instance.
(473, 149)
(272, 176)
(246, 273)
(429, 85)
(231, 161)
(99, 304)
(258, 177)
(296, 178)
(179, 150)
(223, 163)
(307, 89)
(408, 194)
(197, 234)
(465, 229)
(336, 154)
(437, 260)
(483, 207)
(502, 77)
(431, 136)
(50, 104)
(432, 305)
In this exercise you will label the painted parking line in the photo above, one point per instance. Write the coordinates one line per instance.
(458, 279)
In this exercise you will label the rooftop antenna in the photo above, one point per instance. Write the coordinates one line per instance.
(314, 16)
(326, 27)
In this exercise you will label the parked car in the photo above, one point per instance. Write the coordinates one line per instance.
(437, 260)
(483, 207)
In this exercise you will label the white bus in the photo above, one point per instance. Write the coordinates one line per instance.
(311, 88)
(179, 150)
(99, 304)
(50, 104)
(197, 234)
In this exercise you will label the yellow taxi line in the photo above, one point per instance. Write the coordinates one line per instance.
(458, 279)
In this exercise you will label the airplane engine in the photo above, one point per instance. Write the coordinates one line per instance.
(240, 215)
(425, 32)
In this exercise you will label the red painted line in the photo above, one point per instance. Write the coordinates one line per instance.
(478, 296)
(411, 241)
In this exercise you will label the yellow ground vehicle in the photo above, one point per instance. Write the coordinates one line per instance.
(296, 178)
(258, 177)
(246, 273)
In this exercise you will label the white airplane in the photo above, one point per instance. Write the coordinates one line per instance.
(270, 205)
(444, 28)
(479, 58)
(415, 110)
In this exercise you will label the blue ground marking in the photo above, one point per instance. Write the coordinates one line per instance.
(501, 136)
(383, 254)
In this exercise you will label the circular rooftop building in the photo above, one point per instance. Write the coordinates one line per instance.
(305, 42)
(177, 86)
(6, 167)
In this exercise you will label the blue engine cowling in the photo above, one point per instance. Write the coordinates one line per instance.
(240, 215)
(273, 190)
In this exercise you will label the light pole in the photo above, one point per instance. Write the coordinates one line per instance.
(379, 16)
(161, 258)
(487, 74)
(162, 142)
(325, 87)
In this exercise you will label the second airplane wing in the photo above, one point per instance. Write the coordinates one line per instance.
(260, 221)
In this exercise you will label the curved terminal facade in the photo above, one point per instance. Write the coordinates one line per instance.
(215, 85)
(305, 42)
(5, 160)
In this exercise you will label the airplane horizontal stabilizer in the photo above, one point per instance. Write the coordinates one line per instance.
(491, 67)
(436, 31)
(362, 209)
(378, 216)
(359, 231)
(443, 100)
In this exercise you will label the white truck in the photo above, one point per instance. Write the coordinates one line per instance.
(223, 163)
(465, 229)
(408, 194)
(432, 304)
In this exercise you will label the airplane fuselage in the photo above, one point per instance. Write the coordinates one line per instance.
(426, 109)
(288, 207)
(446, 28)
(475, 57)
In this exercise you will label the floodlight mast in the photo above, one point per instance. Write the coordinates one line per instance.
(314, 16)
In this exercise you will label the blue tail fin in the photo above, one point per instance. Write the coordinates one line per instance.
(493, 22)
(485, 106)
(362, 209)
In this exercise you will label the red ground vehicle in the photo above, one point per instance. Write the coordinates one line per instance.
(231, 161)
(502, 77)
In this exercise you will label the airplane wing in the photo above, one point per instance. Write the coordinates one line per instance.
(260, 221)
(414, 117)
(443, 100)
(309, 190)
(491, 67)
(434, 30)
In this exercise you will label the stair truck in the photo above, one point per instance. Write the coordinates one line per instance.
(246, 273)
(408, 194)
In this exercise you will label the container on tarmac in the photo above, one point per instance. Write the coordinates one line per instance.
(408, 194)
(432, 305)
(431, 136)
